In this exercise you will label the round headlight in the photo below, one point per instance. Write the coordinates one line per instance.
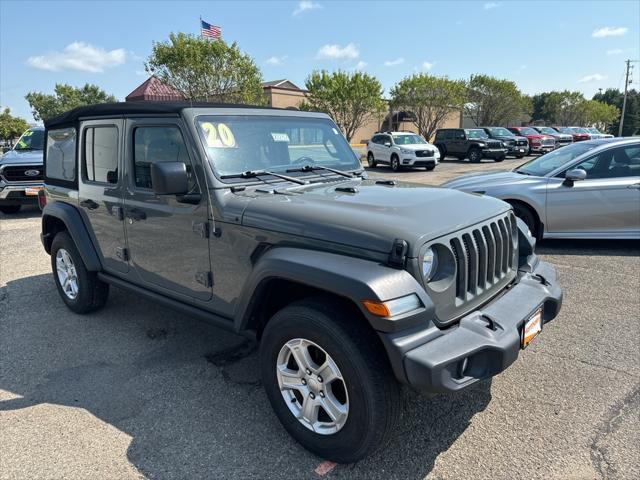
(429, 264)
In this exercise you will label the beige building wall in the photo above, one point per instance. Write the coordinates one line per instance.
(284, 97)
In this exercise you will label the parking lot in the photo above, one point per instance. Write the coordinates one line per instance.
(139, 391)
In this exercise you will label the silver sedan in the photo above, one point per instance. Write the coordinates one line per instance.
(589, 189)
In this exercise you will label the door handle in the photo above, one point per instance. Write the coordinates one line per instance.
(635, 185)
(89, 204)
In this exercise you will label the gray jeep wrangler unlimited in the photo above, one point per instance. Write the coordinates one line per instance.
(262, 221)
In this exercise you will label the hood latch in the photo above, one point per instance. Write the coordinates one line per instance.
(398, 255)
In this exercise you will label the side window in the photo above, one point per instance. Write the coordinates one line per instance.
(387, 140)
(626, 161)
(158, 144)
(61, 154)
(101, 154)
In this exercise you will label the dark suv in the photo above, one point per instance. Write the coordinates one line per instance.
(471, 143)
(262, 222)
(515, 145)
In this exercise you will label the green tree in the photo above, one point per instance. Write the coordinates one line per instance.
(599, 114)
(206, 70)
(351, 99)
(65, 97)
(613, 96)
(11, 127)
(563, 108)
(431, 99)
(493, 101)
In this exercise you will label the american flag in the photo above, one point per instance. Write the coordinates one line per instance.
(210, 31)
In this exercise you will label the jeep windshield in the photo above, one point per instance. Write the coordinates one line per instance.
(476, 133)
(262, 144)
(32, 139)
(408, 140)
(546, 164)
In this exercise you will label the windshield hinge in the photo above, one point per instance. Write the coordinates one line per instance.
(398, 255)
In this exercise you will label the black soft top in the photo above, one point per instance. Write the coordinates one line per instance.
(134, 108)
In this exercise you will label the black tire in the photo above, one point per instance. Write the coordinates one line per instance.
(10, 209)
(92, 293)
(371, 160)
(475, 155)
(430, 168)
(520, 156)
(526, 214)
(395, 163)
(499, 159)
(443, 152)
(373, 393)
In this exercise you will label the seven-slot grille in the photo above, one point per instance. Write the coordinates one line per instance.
(494, 144)
(18, 173)
(484, 256)
(424, 153)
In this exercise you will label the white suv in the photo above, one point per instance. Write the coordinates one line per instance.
(401, 149)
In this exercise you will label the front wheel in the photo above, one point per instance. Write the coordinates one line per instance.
(430, 168)
(10, 209)
(525, 214)
(395, 163)
(499, 159)
(371, 160)
(80, 289)
(328, 380)
(475, 155)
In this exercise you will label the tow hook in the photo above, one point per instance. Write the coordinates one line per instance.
(491, 322)
(541, 279)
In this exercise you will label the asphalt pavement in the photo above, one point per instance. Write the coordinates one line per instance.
(138, 391)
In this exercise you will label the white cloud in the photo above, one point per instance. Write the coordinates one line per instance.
(360, 65)
(427, 65)
(609, 32)
(304, 6)
(336, 52)
(614, 51)
(491, 5)
(275, 61)
(596, 77)
(79, 56)
(393, 63)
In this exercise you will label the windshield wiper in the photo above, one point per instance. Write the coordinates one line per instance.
(27, 148)
(311, 168)
(257, 173)
(522, 172)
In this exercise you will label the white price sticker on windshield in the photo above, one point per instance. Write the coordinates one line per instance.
(280, 137)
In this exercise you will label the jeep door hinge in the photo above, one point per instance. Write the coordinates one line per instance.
(398, 254)
(205, 278)
(200, 228)
(122, 253)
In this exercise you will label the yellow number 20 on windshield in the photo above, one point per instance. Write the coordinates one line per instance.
(220, 136)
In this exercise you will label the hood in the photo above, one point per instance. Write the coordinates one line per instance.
(505, 138)
(481, 182)
(372, 217)
(538, 136)
(27, 157)
(418, 146)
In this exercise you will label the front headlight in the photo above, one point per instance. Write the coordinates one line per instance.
(429, 264)
(482, 144)
(405, 151)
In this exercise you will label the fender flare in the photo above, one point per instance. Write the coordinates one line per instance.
(355, 279)
(74, 224)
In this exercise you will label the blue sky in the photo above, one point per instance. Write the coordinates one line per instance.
(575, 45)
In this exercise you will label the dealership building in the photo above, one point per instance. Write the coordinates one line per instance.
(286, 94)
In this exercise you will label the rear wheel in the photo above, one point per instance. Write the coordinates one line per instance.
(443, 152)
(371, 160)
(395, 163)
(475, 155)
(10, 209)
(328, 380)
(79, 288)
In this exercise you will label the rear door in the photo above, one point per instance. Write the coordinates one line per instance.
(100, 189)
(167, 235)
(606, 202)
(458, 142)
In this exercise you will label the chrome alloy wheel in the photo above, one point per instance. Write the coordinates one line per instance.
(312, 386)
(67, 275)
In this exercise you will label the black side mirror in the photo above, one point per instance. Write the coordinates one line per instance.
(169, 178)
(574, 175)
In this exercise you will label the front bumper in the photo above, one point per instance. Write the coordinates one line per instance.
(482, 344)
(494, 152)
(14, 194)
(414, 161)
(542, 148)
(517, 150)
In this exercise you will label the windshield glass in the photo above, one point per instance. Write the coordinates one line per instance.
(476, 133)
(593, 130)
(549, 162)
(408, 139)
(241, 143)
(565, 130)
(32, 139)
(501, 132)
(547, 130)
(528, 131)
(580, 130)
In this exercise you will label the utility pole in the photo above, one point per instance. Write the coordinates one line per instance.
(624, 99)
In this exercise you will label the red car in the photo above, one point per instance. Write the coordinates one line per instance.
(578, 133)
(538, 142)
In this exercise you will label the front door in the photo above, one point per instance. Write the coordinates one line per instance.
(100, 189)
(167, 235)
(458, 142)
(607, 201)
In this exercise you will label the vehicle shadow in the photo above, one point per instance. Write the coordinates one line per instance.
(29, 211)
(625, 248)
(187, 393)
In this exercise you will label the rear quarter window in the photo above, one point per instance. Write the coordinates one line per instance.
(61, 155)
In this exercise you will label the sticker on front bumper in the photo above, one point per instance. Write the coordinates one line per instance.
(532, 328)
